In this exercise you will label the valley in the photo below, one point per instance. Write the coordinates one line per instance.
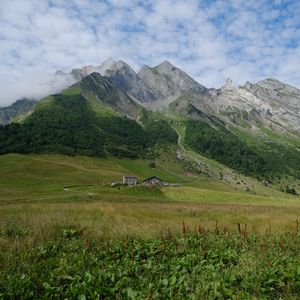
(149, 150)
(49, 186)
(66, 231)
(231, 158)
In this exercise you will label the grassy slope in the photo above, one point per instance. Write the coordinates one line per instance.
(283, 152)
(231, 177)
(39, 180)
(72, 230)
(34, 176)
(97, 106)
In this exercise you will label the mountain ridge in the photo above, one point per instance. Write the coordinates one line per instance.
(252, 129)
(21, 106)
(158, 87)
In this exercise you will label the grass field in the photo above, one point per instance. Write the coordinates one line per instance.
(67, 203)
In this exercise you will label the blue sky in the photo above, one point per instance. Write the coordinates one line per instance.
(210, 40)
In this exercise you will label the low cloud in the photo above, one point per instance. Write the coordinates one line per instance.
(33, 87)
(210, 40)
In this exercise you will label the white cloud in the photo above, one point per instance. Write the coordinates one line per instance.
(32, 86)
(210, 40)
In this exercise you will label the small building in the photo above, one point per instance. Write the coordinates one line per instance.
(130, 180)
(153, 181)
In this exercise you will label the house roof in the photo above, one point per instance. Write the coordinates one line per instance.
(129, 176)
(152, 178)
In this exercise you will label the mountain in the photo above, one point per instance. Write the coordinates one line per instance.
(113, 110)
(93, 117)
(269, 101)
(104, 91)
(281, 100)
(20, 107)
(78, 74)
(162, 84)
(168, 82)
(129, 82)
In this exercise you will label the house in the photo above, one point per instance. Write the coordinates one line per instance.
(153, 181)
(130, 180)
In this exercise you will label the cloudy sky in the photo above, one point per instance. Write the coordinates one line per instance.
(210, 40)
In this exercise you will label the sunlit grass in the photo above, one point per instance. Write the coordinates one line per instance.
(60, 219)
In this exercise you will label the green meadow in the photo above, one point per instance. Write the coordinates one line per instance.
(66, 233)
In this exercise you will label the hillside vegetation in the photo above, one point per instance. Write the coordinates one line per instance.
(67, 124)
(225, 147)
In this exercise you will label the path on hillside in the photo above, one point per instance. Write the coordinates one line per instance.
(214, 167)
(190, 152)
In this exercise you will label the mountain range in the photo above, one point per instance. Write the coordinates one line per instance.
(112, 110)
(269, 101)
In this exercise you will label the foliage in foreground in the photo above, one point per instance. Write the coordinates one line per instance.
(202, 265)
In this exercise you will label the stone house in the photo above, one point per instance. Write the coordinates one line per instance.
(153, 181)
(130, 180)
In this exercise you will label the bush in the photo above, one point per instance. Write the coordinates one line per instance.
(152, 165)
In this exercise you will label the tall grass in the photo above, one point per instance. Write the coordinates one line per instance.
(203, 240)
(199, 263)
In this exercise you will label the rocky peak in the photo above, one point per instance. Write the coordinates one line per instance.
(144, 69)
(123, 76)
(79, 73)
(275, 90)
(115, 65)
(107, 64)
(229, 82)
(120, 68)
(169, 82)
(165, 67)
(271, 84)
(248, 85)
(229, 87)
